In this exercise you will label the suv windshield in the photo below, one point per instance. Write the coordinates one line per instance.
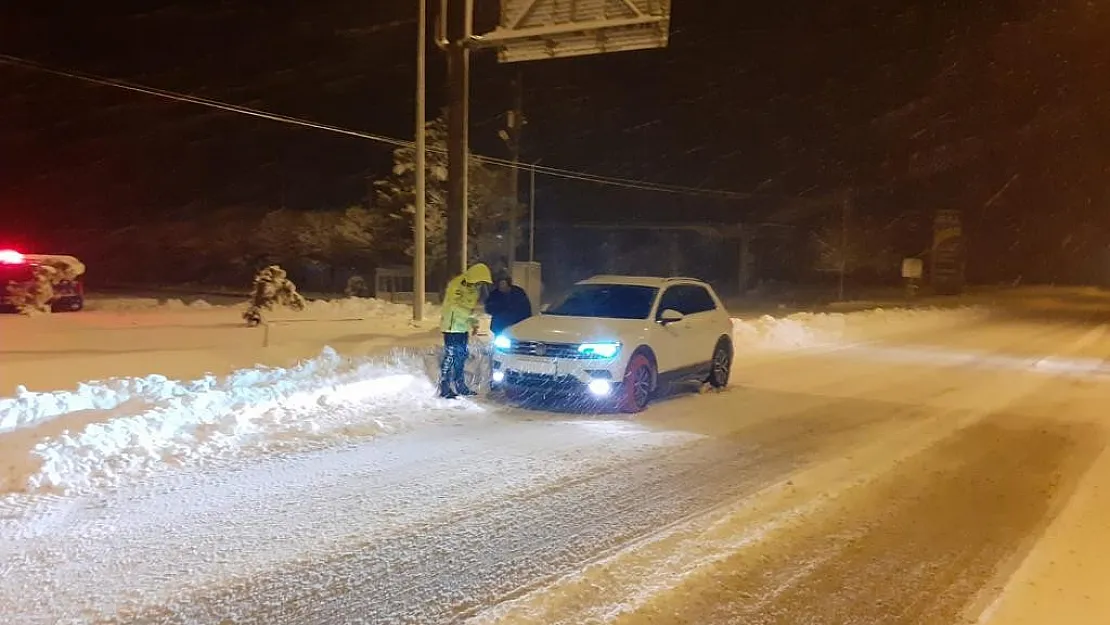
(609, 301)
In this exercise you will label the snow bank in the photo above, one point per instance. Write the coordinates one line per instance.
(803, 330)
(102, 434)
(343, 307)
(129, 304)
(358, 307)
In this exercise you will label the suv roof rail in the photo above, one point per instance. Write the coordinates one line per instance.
(686, 278)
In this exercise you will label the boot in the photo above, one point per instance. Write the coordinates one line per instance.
(446, 371)
(459, 378)
(445, 391)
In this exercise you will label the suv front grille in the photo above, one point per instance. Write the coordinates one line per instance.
(545, 350)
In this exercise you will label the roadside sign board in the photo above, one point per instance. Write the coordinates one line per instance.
(533, 30)
(948, 253)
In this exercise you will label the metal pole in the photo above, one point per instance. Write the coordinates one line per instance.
(516, 121)
(419, 274)
(532, 215)
(843, 245)
(458, 123)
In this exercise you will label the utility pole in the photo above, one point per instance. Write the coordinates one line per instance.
(459, 19)
(419, 272)
(515, 123)
(845, 207)
(532, 215)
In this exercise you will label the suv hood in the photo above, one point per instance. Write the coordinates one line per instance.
(559, 329)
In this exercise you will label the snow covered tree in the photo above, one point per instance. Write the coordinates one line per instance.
(357, 286)
(272, 288)
(488, 200)
(34, 296)
(357, 232)
(330, 236)
(867, 246)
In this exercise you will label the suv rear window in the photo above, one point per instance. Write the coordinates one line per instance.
(607, 301)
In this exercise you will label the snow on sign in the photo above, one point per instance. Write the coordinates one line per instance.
(533, 30)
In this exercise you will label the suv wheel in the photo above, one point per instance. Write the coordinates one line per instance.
(638, 384)
(721, 365)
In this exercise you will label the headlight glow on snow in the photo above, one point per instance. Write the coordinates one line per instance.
(601, 388)
(599, 350)
(502, 343)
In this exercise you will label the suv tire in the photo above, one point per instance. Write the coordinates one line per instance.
(721, 365)
(638, 384)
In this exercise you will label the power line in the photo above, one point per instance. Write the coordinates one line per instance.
(554, 172)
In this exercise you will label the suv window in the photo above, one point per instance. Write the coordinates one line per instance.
(688, 299)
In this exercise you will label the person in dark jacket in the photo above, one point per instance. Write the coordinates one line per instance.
(507, 305)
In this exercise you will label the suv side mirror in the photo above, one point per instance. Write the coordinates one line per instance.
(670, 315)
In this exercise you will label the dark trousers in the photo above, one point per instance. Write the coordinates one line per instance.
(452, 369)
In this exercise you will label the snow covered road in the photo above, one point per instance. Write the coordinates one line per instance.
(896, 481)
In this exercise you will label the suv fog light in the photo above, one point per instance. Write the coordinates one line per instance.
(498, 376)
(600, 387)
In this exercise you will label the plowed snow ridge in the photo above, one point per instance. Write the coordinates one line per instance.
(153, 423)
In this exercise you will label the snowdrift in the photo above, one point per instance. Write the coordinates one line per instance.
(343, 307)
(105, 433)
(813, 330)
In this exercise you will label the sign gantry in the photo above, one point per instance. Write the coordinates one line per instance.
(532, 30)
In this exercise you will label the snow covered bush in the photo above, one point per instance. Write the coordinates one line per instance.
(34, 297)
(357, 286)
(272, 288)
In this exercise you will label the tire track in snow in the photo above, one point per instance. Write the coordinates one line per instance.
(658, 562)
(916, 548)
(433, 574)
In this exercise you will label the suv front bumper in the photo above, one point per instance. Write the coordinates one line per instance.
(598, 378)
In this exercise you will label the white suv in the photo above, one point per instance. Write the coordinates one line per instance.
(618, 337)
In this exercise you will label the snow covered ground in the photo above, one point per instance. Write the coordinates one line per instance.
(849, 446)
(108, 432)
(89, 432)
(136, 337)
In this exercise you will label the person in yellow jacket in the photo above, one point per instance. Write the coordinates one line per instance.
(458, 321)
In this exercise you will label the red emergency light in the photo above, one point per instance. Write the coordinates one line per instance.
(11, 257)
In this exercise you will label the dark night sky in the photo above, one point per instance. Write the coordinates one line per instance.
(918, 104)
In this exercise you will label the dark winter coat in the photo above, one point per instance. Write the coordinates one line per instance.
(507, 309)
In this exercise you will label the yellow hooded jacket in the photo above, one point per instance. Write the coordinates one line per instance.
(460, 300)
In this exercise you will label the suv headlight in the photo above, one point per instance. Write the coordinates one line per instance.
(502, 343)
(599, 350)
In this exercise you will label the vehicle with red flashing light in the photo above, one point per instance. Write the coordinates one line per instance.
(19, 268)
